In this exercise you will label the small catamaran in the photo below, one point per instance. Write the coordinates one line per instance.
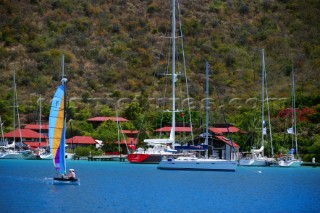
(57, 132)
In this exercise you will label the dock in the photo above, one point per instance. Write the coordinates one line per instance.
(107, 158)
(310, 164)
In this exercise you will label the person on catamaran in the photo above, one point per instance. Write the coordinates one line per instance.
(72, 174)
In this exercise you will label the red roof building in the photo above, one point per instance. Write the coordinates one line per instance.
(80, 141)
(35, 144)
(37, 127)
(227, 141)
(29, 137)
(43, 128)
(178, 129)
(130, 133)
(25, 134)
(220, 131)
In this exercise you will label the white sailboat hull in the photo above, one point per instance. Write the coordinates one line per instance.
(46, 156)
(291, 163)
(10, 155)
(253, 162)
(189, 163)
(29, 155)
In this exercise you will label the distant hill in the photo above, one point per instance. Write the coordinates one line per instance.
(111, 47)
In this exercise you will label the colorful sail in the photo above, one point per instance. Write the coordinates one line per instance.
(57, 129)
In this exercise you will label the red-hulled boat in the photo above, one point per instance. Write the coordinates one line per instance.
(151, 155)
(144, 158)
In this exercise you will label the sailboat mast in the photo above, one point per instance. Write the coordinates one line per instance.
(262, 101)
(118, 132)
(173, 32)
(207, 106)
(15, 109)
(64, 81)
(294, 112)
(14, 105)
(268, 109)
(40, 121)
(2, 136)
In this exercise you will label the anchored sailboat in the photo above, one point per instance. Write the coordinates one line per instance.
(160, 147)
(195, 163)
(290, 160)
(57, 131)
(256, 156)
(9, 151)
(40, 152)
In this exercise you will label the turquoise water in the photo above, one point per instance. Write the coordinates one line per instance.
(26, 186)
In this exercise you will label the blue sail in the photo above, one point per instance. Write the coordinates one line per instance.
(57, 130)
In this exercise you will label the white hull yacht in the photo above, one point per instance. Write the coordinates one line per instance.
(197, 164)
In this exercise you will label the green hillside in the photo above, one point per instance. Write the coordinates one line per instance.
(111, 49)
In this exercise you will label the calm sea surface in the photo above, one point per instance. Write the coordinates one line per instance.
(26, 186)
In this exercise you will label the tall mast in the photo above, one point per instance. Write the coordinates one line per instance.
(63, 82)
(294, 122)
(118, 132)
(268, 109)
(14, 104)
(40, 122)
(173, 32)
(207, 105)
(2, 136)
(15, 109)
(262, 101)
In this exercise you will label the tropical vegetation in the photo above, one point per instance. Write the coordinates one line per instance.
(112, 48)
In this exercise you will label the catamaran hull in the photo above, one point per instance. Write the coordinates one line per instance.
(66, 181)
(144, 158)
(198, 165)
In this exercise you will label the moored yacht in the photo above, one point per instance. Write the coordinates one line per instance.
(289, 161)
(8, 153)
(160, 147)
(256, 156)
(30, 154)
(199, 164)
(152, 155)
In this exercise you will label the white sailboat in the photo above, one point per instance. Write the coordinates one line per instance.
(44, 152)
(31, 154)
(45, 155)
(290, 160)
(3, 142)
(256, 156)
(9, 151)
(160, 147)
(193, 162)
